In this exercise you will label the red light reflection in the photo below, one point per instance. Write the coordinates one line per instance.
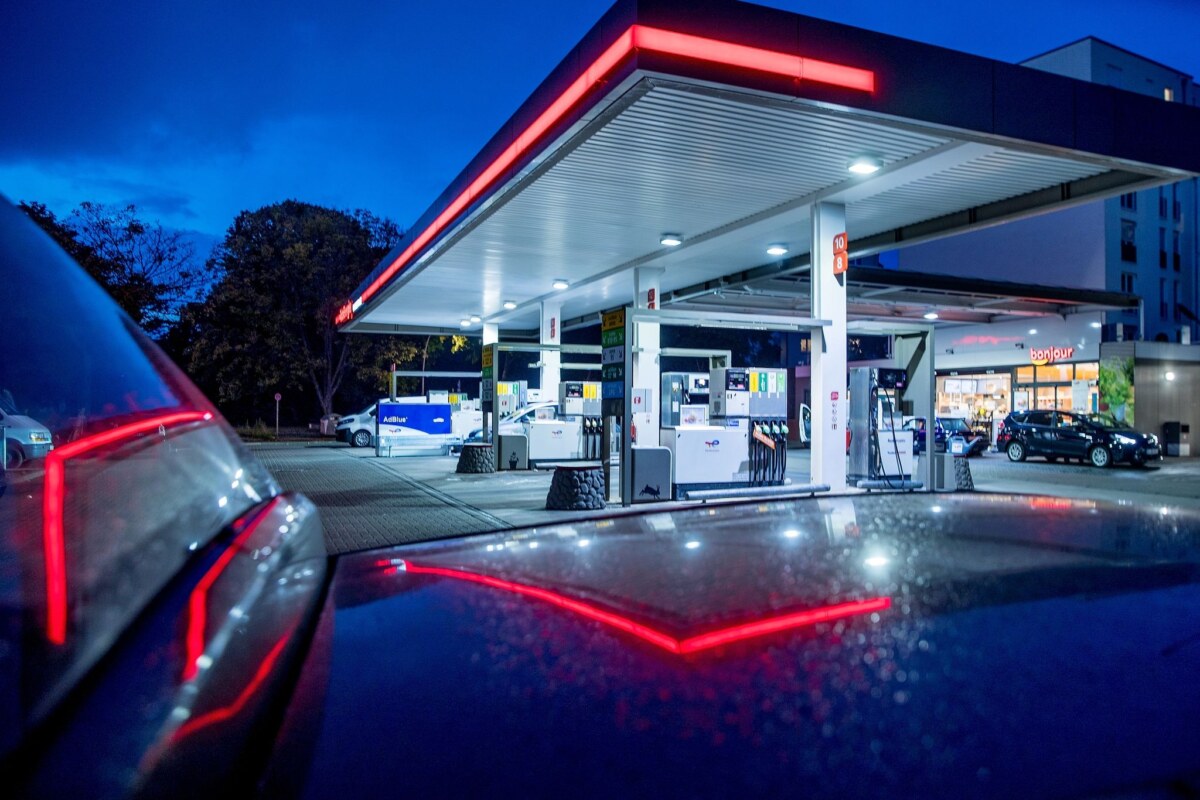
(225, 712)
(54, 498)
(198, 599)
(694, 644)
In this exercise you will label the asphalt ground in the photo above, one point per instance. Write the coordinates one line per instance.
(368, 502)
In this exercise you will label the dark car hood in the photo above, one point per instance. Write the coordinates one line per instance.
(870, 646)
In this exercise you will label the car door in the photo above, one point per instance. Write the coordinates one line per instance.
(1070, 438)
(1039, 433)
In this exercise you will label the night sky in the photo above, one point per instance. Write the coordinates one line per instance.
(196, 111)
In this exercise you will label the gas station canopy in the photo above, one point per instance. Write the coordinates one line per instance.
(720, 125)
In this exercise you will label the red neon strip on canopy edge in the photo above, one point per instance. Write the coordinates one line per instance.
(695, 644)
(198, 599)
(54, 493)
(636, 37)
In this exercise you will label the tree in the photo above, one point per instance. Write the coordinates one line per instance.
(151, 272)
(268, 323)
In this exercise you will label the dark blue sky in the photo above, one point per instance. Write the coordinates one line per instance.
(196, 111)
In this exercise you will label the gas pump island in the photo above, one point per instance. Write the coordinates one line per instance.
(726, 429)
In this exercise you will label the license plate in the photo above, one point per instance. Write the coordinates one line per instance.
(1152, 451)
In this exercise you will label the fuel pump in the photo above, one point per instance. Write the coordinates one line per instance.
(879, 449)
(580, 401)
(767, 398)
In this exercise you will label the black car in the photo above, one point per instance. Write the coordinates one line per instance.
(946, 428)
(1099, 439)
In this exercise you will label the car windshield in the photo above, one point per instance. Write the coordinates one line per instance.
(1108, 421)
(7, 405)
(955, 425)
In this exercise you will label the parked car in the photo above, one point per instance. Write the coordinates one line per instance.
(1098, 439)
(358, 430)
(172, 627)
(24, 437)
(945, 427)
(515, 422)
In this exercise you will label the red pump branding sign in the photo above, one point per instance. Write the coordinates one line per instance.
(1041, 356)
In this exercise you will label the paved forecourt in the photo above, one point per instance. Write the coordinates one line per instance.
(368, 502)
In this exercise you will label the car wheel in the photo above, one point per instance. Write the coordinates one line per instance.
(1100, 457)
(14, 456)
(1016, 451)
(361, 439)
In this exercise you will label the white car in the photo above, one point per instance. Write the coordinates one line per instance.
(24, 437)
(515, 422)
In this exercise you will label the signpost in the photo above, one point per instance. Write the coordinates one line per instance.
(278, 397)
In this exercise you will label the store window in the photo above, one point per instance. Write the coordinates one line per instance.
(1058, 387)
(979, 398)
(1054, 373)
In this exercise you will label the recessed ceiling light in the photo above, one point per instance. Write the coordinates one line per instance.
(864, 165)
(777, 249)
(1096, 325)
(1170, 376)
(464, 323)
(931, 315)
(475, 318)
(671, 239)
(1033, 331)
(560, 283)
(509, 305)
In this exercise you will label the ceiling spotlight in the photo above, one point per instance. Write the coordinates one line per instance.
(671, 240)
(509, 305)
(1033, 331)
(864, 165)
(464, 323)
(475, 318)
(777, 249)
(1096, 325)
(560, 283)
(931, 315)
(1169, 376)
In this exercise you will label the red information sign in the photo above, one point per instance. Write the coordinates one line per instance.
(650, 298)
(553, 326)
(841, 259)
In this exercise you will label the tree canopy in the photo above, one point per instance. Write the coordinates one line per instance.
(150, 271)
(268, 325)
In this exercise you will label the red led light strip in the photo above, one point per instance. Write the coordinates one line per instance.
(54, 498)
(636, 37)
(694, 644)
(198, 599)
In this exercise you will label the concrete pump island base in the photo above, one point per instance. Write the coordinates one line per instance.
(722, 165)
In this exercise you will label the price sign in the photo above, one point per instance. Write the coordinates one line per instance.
(841, 258)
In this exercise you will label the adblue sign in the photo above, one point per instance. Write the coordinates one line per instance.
(1041, 356)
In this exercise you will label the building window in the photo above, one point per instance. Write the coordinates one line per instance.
(1162, 298)
(1175, 251)
(1162, 247)
(1177, 207)
(1168, 94)
(1127, 282)
(1175, 301)
(1162, 202)
(1128, 240)
(1129, 201)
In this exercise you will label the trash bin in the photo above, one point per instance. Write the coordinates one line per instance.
(1176, 439)
(329, 424)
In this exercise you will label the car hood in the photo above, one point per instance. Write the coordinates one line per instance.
(886, 645)
(18, 423)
